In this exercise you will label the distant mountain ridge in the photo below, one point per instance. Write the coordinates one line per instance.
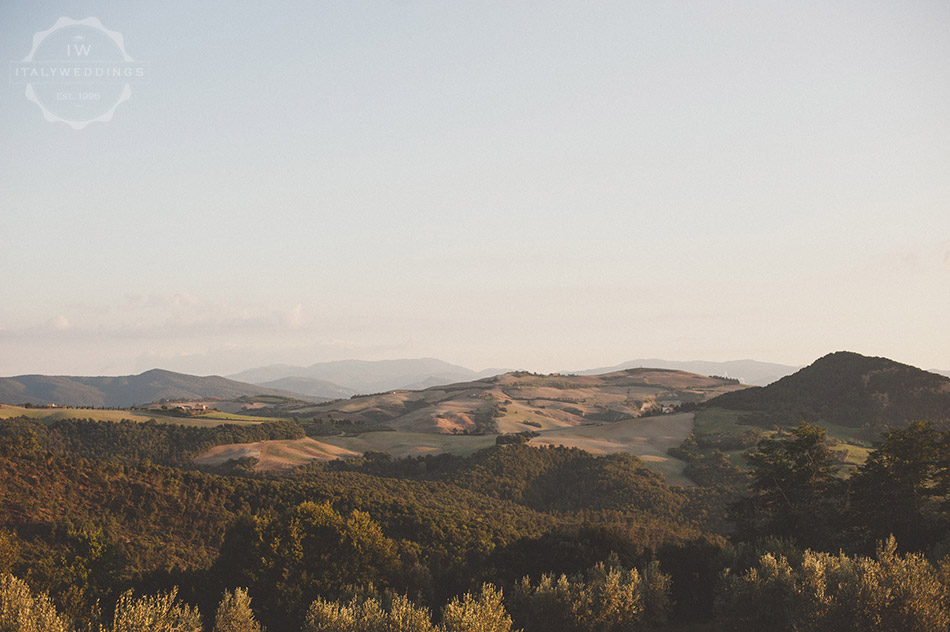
(343, 378)
(311, 386)
(851, 390)
(750, 372)
(369, 376)
(127, 390)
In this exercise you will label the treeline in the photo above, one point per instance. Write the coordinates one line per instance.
(807, 592)
(603, 598)
(132, 442)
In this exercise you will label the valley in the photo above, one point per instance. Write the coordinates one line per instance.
(506, 477)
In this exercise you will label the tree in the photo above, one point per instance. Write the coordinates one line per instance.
(793, 491)
(887, 593)
(482, 613)
(86, 572)
(312, 550)
(367, 615)
(235, 614)
(895, 491)
(605, 598)
(22, 611)
(155, 613)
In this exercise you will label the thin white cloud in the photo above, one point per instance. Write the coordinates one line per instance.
(60, 323)
(169, 316)
(293, 318)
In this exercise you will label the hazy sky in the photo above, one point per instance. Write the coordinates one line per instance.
(540, 185)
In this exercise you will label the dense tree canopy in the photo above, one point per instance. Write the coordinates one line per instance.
(94, 531)
(793, 480)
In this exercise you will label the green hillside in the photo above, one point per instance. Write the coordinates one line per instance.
(850, 390)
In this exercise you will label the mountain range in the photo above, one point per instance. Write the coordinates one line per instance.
(363, 376)
(346, 378)
(310, 386)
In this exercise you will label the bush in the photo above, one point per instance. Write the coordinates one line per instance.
(367, 615)
(155, 613)
(235, 614)
(729, 441)
(515, 438)
(605, 598)
(21, 611)
(484, 613)
(888, 593)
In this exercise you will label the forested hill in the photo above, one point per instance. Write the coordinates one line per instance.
(127, 390)
(85, 530)
(849, 389)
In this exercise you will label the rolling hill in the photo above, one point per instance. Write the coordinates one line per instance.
(851, 390)
(129, 390)
(746, 371)
(602, 414)
(519, 401)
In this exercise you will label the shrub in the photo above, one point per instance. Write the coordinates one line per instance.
(605, 598)
(22, 611)
(235, 614)
(155, 613)
(367, 615)
(888, 593)
(484, 613)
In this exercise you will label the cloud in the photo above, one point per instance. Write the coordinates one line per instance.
(293, 318)
(186, 314)
(60, 323)
(179, 315)
(227, 357)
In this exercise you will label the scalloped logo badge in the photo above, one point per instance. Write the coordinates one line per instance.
(78, 72)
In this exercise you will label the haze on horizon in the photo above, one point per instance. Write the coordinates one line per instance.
(544, 185)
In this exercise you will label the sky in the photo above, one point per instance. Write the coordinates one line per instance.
(538, 185)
